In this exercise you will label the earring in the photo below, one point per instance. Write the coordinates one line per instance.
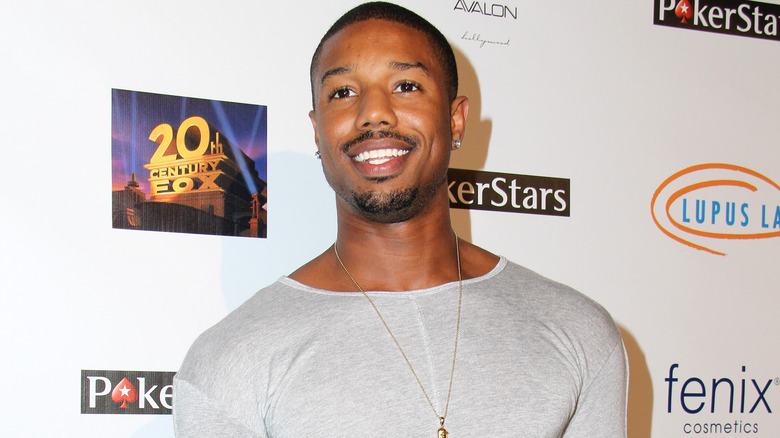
(456, 144)
(318, 155)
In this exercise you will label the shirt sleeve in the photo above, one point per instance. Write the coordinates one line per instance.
(601, 409)
(196, 415)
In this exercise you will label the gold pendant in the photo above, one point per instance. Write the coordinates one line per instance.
(442, 432)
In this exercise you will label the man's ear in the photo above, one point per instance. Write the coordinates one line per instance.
(459, 112)
(314, 125)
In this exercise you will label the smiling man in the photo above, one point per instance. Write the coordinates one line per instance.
(400, 328)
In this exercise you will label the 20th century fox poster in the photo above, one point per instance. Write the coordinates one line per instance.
(188, 165)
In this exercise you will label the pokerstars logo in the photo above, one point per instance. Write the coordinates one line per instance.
(126, 392)
(733, 401)
(734, 17)
(479, 190)
(684, 11)
(707, 205)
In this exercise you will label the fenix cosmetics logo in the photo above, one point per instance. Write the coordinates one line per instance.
(479, 190)
(704, 206)
(734, 17)
(126, 392)
(733, 402)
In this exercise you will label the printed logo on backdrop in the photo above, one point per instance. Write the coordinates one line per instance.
(487, 9)
(480, 190)
(730, 404)
(126, 392)
(733, 17)
(188, 165)
(705, 205)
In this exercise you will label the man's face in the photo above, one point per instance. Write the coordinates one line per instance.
(382, 119)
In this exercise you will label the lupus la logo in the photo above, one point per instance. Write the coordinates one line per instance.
(710, 203)
(743, 18)
(126, 392)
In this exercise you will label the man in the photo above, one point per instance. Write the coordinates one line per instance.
(450, 338)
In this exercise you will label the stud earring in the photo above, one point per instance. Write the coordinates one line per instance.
(318, 155)
(456, 144)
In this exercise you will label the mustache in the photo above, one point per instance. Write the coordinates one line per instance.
(411, 141)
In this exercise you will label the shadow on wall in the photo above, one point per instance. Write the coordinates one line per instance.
(473, 154)
(160, 426)
(640, 389)
(301, 224)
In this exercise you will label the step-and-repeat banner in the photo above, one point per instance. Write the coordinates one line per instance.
(158, 170)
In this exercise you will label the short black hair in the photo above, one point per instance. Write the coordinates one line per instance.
(397, 14)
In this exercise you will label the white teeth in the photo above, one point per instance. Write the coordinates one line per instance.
(379, 156)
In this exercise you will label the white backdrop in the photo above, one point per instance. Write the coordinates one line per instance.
(586, 90)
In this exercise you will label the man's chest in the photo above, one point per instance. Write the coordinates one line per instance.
(502, 385)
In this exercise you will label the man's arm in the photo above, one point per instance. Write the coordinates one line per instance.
(601, 409)
(196, 415)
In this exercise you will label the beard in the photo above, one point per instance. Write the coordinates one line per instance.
(397, 206)
(387, 208)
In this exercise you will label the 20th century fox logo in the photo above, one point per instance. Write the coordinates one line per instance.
(126, 392)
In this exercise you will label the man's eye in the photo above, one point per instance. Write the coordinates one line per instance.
(341, 93)
(406, 87)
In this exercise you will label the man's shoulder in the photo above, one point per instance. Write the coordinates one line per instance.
(538, 298)
(263, 303)
(251, 328)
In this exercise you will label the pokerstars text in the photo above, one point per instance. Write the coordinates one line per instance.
(748, 17)
(481, 190)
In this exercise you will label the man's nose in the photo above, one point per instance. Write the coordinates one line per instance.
(376, 110)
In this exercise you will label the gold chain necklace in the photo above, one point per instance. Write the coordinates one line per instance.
(441, 432)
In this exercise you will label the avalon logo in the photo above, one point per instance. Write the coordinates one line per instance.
(493, 10)
(734, 17)
(705, 204)
(126, 392)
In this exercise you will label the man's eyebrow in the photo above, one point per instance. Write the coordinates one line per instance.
(334, 72)
(396, 65)
(408, 66)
